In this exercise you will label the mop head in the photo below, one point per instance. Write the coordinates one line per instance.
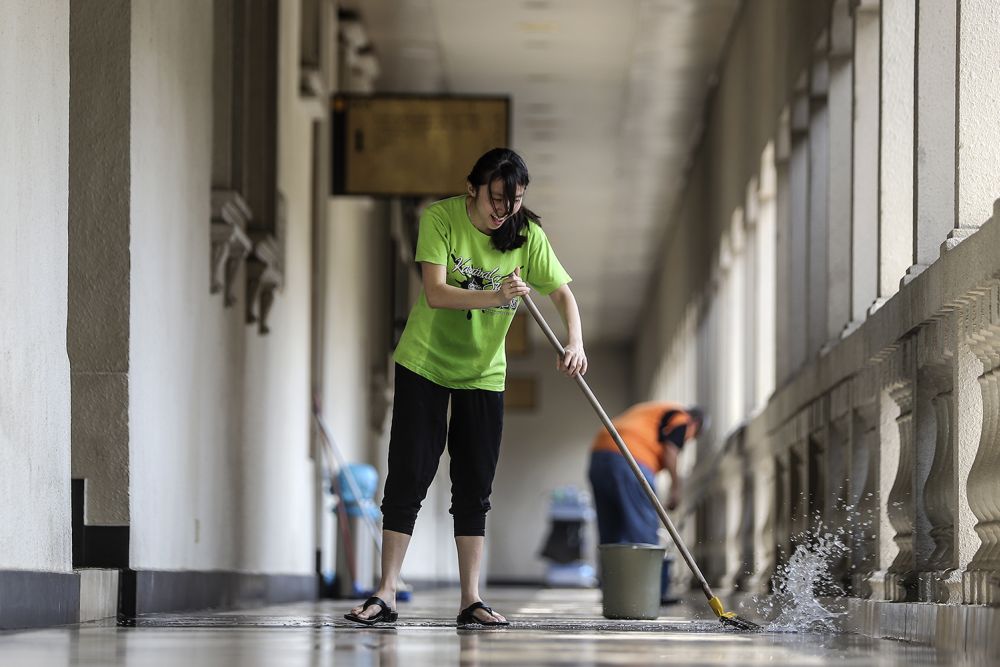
(731, 620)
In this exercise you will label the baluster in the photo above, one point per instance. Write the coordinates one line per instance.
(766, 487)
(894, 578)
(936, 553)
(980, 582)
(863, 485)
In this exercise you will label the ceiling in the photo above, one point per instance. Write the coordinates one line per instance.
(608, 99)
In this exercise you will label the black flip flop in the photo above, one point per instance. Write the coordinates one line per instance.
(385, 614)
(467, 618)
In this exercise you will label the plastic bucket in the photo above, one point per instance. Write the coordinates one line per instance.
(630, 580)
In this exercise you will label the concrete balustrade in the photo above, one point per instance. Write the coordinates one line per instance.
(862, 194)
(891, 440)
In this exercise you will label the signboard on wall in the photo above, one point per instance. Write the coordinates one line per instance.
(407, 145)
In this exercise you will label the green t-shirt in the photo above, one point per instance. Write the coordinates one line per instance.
(464, 349)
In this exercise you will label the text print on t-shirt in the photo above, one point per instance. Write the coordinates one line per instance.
(475, 278)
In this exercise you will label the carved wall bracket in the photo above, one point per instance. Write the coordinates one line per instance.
(230, 243)
(265, 275)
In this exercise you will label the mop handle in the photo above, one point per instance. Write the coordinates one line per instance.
(624, 450)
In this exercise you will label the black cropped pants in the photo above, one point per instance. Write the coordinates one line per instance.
(417, 438)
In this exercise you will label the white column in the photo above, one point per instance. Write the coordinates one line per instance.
(934, 115)
(736, 329)
(896, 146)
(864, 222)
(978, 115)
(838, 237)
(819, 192)
(752, 313)
(798, 237)
(783, 332)
(764, 374)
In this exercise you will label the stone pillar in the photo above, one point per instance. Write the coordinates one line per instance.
(934, 480)
(736, 323)
(934, 115)
(767, 260)
(981, 582)
(896, 147)
(97, 331)
(978, 121)
(798, 236)
(783, 331)
(838, 237)
(819, 184)
(865, 211)
(749, 288)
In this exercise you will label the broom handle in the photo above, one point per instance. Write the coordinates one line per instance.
(668, 524)
(334, 455)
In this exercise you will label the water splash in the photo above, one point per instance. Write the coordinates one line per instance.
(800, 582)
(807, 591)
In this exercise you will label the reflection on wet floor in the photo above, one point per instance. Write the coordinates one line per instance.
(549, 627)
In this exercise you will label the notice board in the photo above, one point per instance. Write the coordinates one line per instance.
(408, 145)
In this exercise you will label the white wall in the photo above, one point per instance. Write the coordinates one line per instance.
(221, 474)
(350, 297)
(185, 349)
(546, 449)
(279, 485)
(34, 367)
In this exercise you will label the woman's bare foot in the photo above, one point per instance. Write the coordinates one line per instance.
(483, 614)
(361, 611)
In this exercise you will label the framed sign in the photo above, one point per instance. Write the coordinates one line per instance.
(409, 145)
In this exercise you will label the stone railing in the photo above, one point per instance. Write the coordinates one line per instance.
(891, 439)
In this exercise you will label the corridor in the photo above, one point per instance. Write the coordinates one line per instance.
(773, 225)
(548, 627)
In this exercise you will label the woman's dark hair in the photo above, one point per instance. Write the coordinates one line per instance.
(506, 166)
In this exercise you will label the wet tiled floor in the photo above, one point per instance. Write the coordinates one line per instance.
(549, 627)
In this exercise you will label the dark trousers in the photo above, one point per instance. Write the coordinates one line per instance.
(417, 438)
(624, 514)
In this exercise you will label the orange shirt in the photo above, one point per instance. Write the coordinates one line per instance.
(641, 427)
